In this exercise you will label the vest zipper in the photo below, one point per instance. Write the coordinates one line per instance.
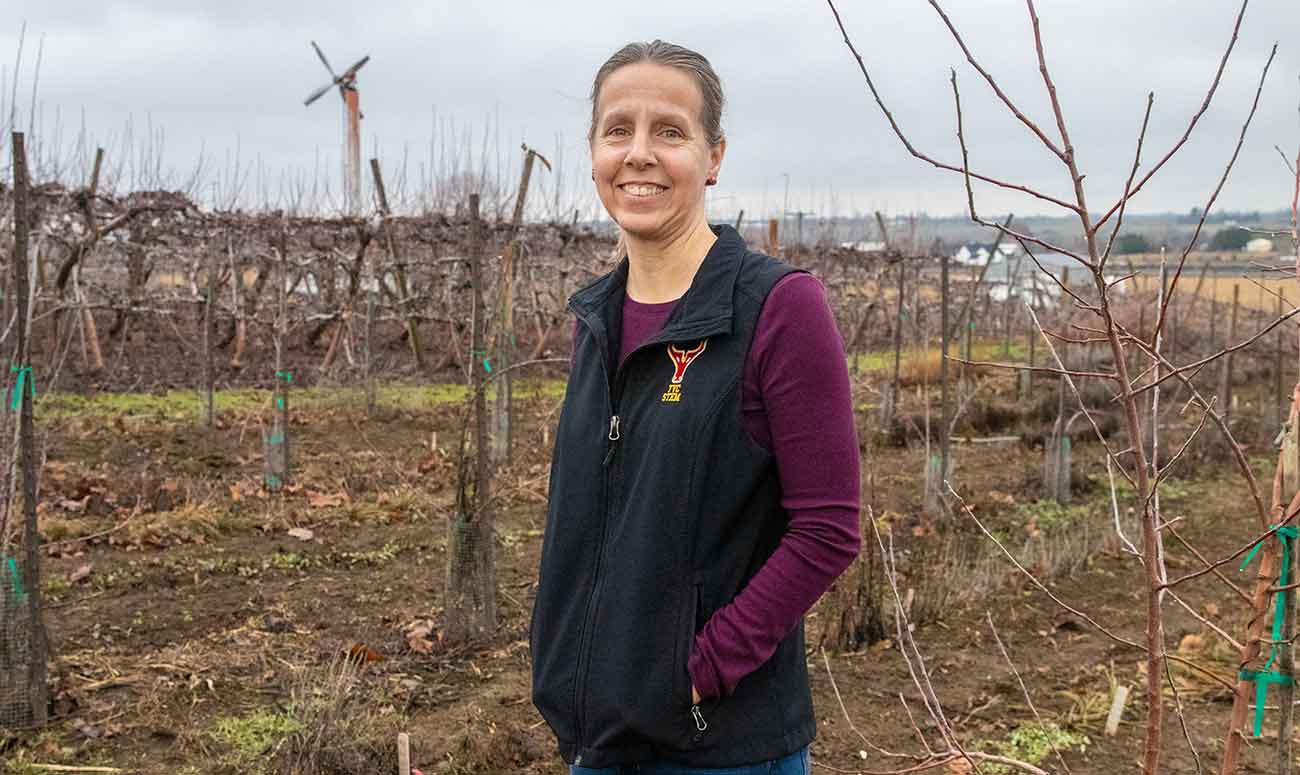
(613, 437)
(584, 638)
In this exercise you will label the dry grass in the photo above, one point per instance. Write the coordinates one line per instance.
(339, 731)
(1251, 295)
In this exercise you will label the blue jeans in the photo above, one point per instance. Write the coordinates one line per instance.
(797, 763)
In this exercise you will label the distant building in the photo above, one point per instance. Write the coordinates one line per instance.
(975, 254)
(1259, 245)
(1019, 277)
(864, 246)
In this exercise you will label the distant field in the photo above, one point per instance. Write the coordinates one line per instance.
(1256, 290)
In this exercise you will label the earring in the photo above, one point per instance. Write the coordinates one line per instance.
(593, 174)
(711, 181)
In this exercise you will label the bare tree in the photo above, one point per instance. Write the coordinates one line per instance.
(1138, 463)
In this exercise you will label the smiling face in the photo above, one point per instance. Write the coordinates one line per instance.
(650, 154)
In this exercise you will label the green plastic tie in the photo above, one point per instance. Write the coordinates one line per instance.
(1263, 678)
(285, 375)
(279, 403)
(24, 377)
(275, 438)
(19, 593)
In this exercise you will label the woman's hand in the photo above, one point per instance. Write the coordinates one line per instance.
(695, 695)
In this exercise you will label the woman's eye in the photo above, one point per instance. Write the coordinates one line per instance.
(618, 131)
(672, 133)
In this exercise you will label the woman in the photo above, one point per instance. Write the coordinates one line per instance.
(704, 485)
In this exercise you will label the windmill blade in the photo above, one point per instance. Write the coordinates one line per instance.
(352, 71)
(324, 61)
(318, 93)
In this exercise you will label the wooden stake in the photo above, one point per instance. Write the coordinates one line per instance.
(1117, 703)
(399, 268)
(37, 689)
(506, 331)
(898, 344)
(1225, 377)
(403, 754)
(944, 446)
(209, 379)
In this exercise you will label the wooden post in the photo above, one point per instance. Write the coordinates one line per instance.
(470, 606)
(773, 237)
(369, 369)
(276, 444)
(1013, 288)
(399, 268)
(1214, 315)
(1225, 376)
(209, 401)
(894, 385)
(501, 440)
(37, 689)
(740, 219)
(1277, 403)
(87, 318)
(945, 463)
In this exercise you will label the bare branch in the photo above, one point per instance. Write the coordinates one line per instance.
(1011, 106)
(1205, 212)
(1205, 105)
(1128, 184)
(918, 154)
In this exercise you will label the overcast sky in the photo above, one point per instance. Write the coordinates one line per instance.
(213, 79)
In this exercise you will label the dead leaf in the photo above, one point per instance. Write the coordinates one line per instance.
(320, 500)
(420, 645)
(363, 653)
(301, 533)
(236, 493)
(82, 572)
(1190, 643)
(75, 506)
(1211, 610)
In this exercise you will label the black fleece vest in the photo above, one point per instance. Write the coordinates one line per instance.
(661, 509)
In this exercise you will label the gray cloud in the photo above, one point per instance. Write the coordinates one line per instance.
(221, 76)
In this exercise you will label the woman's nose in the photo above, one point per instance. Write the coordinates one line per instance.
(639, 155)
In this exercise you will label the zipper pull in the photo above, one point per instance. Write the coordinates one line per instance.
(613, 436)
(699, 721)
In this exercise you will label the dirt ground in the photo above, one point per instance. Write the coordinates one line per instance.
(186, 618)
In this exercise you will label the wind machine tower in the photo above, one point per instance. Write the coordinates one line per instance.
(347, 84)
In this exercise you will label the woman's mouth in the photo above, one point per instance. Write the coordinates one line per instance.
(642, 190)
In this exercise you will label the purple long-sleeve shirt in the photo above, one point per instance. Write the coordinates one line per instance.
(797, 405)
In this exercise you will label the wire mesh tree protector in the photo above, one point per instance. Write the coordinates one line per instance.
(15, 647)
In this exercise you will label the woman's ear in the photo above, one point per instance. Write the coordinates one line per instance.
(716, 153)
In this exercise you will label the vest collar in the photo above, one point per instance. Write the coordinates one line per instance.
(704, 310)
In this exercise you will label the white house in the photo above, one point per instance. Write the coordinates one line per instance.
(1259, 245)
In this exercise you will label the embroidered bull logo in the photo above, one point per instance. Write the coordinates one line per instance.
(681, 360)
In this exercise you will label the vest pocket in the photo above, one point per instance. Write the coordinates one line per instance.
(685, 642)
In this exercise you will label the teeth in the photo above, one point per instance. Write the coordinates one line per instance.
(643, 190)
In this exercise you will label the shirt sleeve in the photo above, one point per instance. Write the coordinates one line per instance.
(797, 360)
